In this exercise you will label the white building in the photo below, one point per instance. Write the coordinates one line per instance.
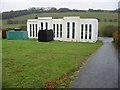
(73, 29)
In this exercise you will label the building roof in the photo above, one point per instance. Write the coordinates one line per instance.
(44, 17)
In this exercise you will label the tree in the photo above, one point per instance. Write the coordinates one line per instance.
(53, 9)
(64, 10)
(117, 10)
(91, 10)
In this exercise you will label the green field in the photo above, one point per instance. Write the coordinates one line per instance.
(100, 15)
(32, 64)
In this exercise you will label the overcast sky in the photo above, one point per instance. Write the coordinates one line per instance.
(7, 5)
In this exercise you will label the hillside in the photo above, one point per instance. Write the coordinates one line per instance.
(106, 18)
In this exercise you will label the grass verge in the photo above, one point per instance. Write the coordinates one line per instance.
(32, 64)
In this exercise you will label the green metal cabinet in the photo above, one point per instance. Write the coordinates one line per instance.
(17, 35)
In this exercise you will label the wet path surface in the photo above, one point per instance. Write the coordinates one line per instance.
(101, 69)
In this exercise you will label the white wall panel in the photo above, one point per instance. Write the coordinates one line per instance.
(78, 21)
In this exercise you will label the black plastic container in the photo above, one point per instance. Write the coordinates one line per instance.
(45, 35)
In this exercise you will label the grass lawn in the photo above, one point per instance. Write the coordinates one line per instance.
(32, 64)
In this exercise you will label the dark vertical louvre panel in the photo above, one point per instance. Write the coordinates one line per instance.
(68, 29)
(60, 30)
(36, 30)
(41, 25)
(46, 24)
(90, 31)
(33, 30)
(73, 30)
(54, 30)
(86, 31)
(57, 30)
(82, 27)
(30, 30)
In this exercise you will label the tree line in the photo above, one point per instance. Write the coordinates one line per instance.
(12, 14)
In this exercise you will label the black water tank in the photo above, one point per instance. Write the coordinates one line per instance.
(45, 35)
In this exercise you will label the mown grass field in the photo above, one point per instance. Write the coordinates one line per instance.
(32, 64)
(100, 15)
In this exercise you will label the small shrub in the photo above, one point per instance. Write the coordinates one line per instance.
(105, 20)
(115, 20)
(108, 31)
(110, 20)
(116, 37)
(4, 33)
(23, 27)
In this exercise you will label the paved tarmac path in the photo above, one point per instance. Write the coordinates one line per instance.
(101, 69)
